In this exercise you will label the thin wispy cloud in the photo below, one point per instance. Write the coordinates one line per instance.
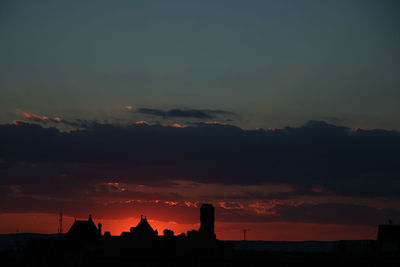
(185, 113)
(39, 118)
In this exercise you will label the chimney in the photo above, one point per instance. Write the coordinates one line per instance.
(99, 228)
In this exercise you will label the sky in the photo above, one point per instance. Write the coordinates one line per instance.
(282, 114)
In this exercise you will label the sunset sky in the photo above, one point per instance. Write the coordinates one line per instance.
(282, 114)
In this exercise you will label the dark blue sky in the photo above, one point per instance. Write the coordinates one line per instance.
(272, 63)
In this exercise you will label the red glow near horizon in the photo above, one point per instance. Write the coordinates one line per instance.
(277, 231)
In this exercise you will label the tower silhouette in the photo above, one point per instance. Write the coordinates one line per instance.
(207, 220)
(60, 219)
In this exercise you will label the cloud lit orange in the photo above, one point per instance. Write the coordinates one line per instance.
(142, 122)
(36, 117)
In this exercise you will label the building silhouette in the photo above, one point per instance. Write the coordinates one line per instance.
(207, 221)
(84, 245)
(84, 230)
(389, 238)
(143, 229)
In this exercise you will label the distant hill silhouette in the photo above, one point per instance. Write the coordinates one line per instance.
(9, 240)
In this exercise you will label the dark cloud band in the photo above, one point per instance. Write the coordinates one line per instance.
(317, 159)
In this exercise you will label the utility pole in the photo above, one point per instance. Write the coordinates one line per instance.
(244, 234)
(60, 218)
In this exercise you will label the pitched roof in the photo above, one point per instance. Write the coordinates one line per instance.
(83, 229)
(143, 226)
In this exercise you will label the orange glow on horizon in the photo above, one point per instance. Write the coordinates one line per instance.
(275, 231)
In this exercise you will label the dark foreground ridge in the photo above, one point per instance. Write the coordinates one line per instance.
(85, 245)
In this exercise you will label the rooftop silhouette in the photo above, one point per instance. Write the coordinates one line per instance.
(86, 230)
(82, 229)
(84, 245)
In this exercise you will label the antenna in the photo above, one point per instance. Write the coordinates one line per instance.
(60, 217)
(244, 233)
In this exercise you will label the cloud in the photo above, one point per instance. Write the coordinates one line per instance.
(47, 119)
(185, 113)
(102, 166)
(184, 212)
(325, 213)
(20, 122)
(38, 118)
(335, 120)
(177, 125)
(361, 162)
(129, 107)
(80, 123)
(142, 122)
(230, 205)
